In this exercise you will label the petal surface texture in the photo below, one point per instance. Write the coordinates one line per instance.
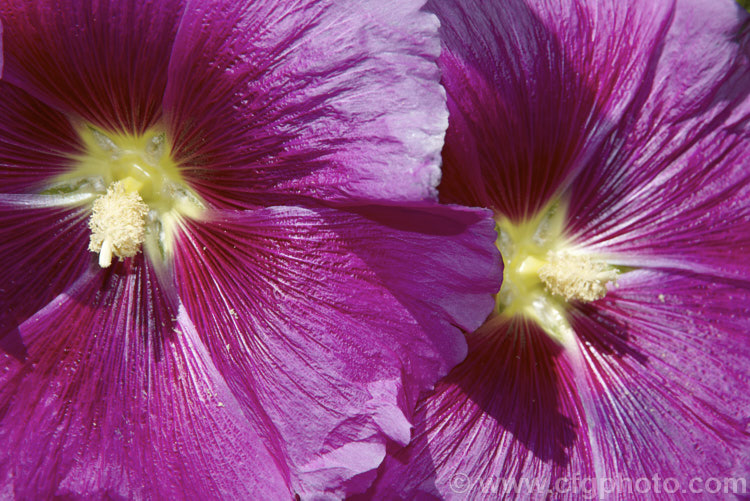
(100, 61)
(37, 142)
(296, 324)
(330, 100)
(635, 116)
(117, 397)
(284, 283)
(38, 266)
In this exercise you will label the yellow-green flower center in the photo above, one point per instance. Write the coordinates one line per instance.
(544, 271)
(139, 194)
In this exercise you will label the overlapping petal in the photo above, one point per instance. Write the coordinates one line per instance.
(100, 61)
(292, 304)
(654, 381)
(507, 416)
(118, 398)
(44, 250)
(534, 89)
(650, 393)
(670, 188)
(271, 102)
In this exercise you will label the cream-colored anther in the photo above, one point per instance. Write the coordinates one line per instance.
(575, 276)
(118, 224)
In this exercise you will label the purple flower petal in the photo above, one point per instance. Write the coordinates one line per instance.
(668, 377)
(654, 393)
(2, 59)
(534, 89)
(118, 398)
(44, 250)
(36, 142)
(507, 413)
(653, 380)
(111, 74)
(272, 101)
(329, 323)
(671, 186)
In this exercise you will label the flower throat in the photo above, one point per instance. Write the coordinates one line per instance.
(544, 271)
(139, 194)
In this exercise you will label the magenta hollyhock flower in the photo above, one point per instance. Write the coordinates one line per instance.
(223, 276)
(612, 139)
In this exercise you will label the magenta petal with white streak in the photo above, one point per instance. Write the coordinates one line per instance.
(38, 265)
(665, 356)
(534, 89)
(670, 187)
(291, 303)
(118, 398)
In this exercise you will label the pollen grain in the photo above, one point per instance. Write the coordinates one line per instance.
(118, 224)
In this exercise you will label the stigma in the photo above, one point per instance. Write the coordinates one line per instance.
(579, 277)
(544, 271)
(117, 224)
(139, 195)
